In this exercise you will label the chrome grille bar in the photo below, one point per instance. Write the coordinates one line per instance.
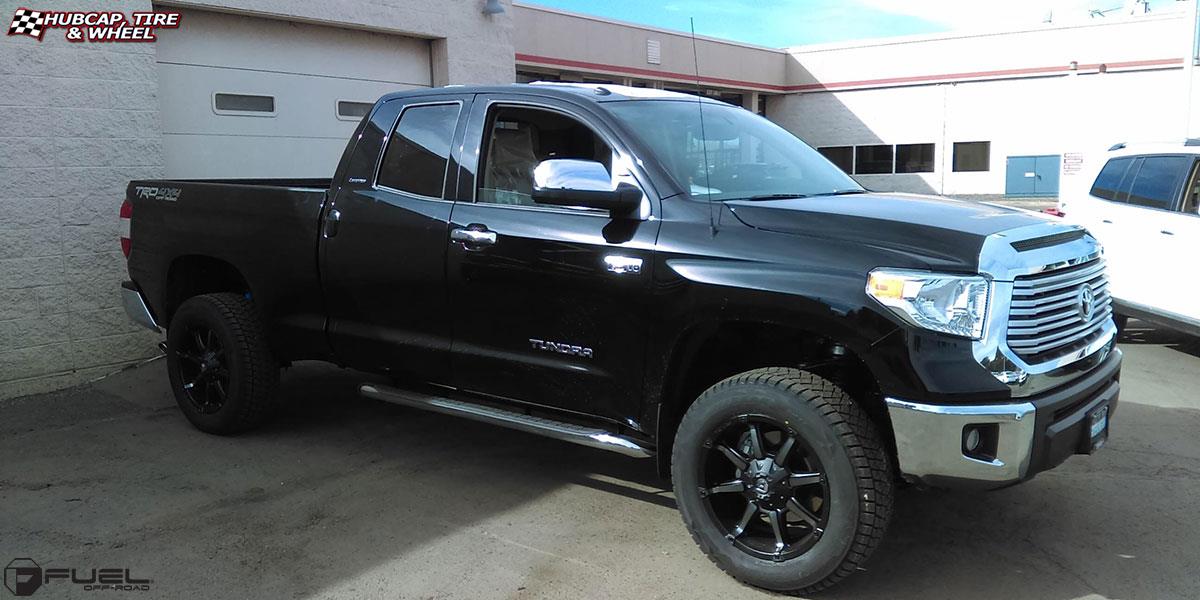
(1046, 312)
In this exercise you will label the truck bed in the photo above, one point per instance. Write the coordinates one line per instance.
(265, 229)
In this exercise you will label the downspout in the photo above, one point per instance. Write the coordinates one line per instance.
(1191, 119)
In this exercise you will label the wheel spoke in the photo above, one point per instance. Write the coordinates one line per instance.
(220, 388)
(188, 356)
(734, 457)
(806, 515)
(751, 510)
(729, 486)
(756, 443)
(800, 479)
(784, 450)
(776, 517)
(199, 339)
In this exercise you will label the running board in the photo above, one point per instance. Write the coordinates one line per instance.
(567, 432)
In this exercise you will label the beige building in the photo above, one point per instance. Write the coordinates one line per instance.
(273, 88)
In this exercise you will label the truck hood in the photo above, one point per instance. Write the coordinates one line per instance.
(939, 233)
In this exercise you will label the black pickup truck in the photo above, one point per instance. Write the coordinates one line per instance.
(653, 274)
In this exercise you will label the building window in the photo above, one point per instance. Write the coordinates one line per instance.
(842, 156)
(417, 153)
(530, 76)
(914, 158)
(872, 160)
(348, 110)
(762, 106)
(243, 104)
(972, 156)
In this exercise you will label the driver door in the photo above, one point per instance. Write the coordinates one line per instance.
(545, 309)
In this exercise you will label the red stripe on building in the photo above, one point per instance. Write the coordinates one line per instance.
(859, 84)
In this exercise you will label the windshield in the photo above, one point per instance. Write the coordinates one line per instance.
(747, 155)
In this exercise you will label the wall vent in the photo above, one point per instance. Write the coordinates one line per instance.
(653, 52)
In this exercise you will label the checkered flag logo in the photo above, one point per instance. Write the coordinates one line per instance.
(27, 22)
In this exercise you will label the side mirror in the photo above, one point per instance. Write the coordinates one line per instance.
(575, 182)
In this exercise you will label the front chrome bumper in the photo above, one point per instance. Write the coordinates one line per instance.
(136, 307)
(1026, 437)
(929, 440)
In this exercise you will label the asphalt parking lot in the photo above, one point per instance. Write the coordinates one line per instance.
(343, 497)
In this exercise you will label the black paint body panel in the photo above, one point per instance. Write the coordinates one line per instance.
(390, 293)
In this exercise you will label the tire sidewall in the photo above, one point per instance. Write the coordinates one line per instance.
(717, 408)
(203, 312)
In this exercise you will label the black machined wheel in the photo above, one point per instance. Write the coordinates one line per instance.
(221, 368)
(765, 486)
(782, 479)
(203, 369)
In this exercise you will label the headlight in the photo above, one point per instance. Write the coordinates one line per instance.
(952, 304)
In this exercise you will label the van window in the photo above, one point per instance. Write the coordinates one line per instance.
(1108, 182)
(417, 153)
(1157, 182)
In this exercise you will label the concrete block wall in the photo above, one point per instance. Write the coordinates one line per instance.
(80, 121)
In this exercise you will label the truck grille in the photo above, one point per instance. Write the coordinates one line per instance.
(1049, 317)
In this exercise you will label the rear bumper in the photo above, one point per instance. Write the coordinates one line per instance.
(136, 307)
(1017, 440)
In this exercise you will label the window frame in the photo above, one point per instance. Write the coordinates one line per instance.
(932, 158)
(1138, 160)
(387, 140)
(611, 141)
(1191, 181)
(245, 113)
(954, 155)
(850, 147)
(892, 151)
(1176, 204)
(337, 104)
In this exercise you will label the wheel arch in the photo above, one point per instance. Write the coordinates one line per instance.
(712, 350)
(195, 274)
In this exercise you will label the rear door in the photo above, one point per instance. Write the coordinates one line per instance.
(1149, 266)
(384, 247)
(552, 307)
(1181, 236)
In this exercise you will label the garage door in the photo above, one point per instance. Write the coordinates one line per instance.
(251, 97)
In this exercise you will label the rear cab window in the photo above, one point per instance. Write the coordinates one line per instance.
(418, 151)
(1108, 183)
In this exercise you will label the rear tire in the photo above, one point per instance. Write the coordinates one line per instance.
(221, 369)
(801, 536)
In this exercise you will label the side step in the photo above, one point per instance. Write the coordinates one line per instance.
(567, 432)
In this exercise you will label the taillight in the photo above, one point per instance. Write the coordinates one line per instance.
(126, 218)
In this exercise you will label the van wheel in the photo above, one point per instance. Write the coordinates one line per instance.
(221, 369)
(782, 480)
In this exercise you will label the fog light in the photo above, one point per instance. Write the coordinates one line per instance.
(981, 441)
(971, 441)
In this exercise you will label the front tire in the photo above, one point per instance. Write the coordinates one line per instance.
(782, 479)
(221, 369)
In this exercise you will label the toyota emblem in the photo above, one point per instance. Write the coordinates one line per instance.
(1087, 302)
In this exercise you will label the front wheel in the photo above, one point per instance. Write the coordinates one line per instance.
(782, 479)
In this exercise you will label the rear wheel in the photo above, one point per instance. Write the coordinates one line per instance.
(221, 370)
(782, 479)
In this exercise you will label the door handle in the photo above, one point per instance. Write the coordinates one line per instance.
(1165, 232)
(332, 220)
(1107, 221)
(473, 236)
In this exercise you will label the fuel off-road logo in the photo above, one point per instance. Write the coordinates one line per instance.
(23, 577)
(93, 26)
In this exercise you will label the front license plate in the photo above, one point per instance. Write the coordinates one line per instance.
(1098, 423)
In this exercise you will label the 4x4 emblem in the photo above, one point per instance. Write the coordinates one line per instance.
(1087, 302)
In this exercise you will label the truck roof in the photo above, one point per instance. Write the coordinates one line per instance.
(595, 92)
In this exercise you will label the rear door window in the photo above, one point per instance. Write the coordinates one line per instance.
(1109, 182)
(1158, 181)
(419, 149)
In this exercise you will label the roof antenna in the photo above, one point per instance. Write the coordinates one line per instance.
(713, 222)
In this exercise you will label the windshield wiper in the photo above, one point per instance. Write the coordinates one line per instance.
(842, 193)
(773, 197)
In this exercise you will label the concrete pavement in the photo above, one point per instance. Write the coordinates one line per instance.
(343, 497)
